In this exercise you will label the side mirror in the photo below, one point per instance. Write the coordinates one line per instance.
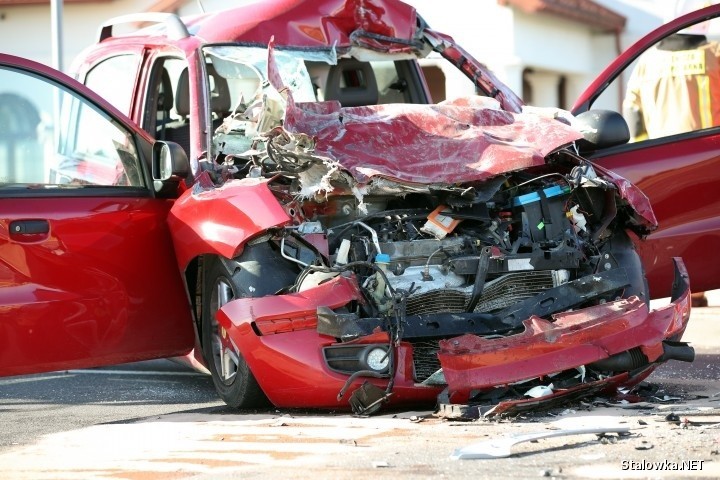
(169, 166)
(602, 129)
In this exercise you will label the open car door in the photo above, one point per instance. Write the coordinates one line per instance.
(679, 173)
(87, 270)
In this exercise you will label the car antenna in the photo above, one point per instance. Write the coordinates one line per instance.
(200, 6)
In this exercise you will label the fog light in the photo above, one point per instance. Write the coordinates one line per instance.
(377, 359)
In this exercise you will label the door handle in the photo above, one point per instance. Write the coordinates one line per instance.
(29, 227)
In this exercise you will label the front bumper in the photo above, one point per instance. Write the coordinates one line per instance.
(290, 368)
(573, 339)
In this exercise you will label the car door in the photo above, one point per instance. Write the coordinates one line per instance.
(680, 174)
(87, 270)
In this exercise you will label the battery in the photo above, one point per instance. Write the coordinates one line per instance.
(545, 212)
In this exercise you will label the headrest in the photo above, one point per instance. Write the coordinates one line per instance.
(220, 93)
(165, 96)
(182, 95)
(352, 83)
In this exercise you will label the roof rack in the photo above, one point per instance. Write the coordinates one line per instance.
(175, 27)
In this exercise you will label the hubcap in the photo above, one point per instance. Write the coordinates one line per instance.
(224, 356)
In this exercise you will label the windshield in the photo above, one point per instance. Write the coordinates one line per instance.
(244, 105)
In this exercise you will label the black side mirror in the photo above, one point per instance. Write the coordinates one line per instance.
(170, 166)
(602, 129)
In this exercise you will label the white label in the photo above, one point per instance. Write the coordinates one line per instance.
(515, 264)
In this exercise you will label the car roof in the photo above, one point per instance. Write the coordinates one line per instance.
(297, 23)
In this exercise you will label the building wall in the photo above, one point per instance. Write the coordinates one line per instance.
(518, 47)
(541, 49)
(26, 30)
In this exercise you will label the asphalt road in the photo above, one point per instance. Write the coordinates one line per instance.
(35, 405)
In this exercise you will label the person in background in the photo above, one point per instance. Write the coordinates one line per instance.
(675, 87)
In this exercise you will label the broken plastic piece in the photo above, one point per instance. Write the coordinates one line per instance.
(501, 447)
(577, 219)
(438, 224)
(540, 391)
(367, 399)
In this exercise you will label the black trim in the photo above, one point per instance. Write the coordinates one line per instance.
(84, 191)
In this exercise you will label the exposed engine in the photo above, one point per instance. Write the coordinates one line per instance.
(447, 253)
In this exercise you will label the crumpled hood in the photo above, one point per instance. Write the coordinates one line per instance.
(453, 142)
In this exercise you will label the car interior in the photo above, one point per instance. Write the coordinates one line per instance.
(351, 82)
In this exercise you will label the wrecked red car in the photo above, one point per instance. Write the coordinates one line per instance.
(338, 241)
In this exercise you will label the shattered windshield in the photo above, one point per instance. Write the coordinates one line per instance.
(244, 104)
(245, 70)
(359, 115)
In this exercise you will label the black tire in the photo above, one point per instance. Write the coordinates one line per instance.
(237, 386)
(258, 272)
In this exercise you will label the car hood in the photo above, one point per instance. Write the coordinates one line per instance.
(460, 141)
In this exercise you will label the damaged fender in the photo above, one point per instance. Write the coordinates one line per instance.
(219, 220)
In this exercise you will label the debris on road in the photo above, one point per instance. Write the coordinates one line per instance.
(501, 447)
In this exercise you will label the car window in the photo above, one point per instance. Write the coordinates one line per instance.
(114, 80)
(164, 95)
(49, 136)
(672, 88)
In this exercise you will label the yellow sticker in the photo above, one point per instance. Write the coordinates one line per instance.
(687, 62)
(223, 332)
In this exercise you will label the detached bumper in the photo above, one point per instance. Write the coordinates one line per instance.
(472, 364)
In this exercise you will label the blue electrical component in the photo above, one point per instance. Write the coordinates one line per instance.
(553, 191)
(382, 258)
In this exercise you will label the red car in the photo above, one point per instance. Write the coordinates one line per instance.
(336, 240)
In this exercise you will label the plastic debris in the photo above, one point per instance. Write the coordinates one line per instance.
(540, 391)
(501, 447)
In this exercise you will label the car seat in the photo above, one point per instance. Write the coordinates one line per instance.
(352, 83)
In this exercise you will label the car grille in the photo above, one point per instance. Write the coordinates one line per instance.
(513, 288)
(435, 301)
(497, 294)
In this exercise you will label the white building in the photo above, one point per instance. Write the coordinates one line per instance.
(546, 50)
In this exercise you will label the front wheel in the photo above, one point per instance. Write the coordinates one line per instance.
(231, 375)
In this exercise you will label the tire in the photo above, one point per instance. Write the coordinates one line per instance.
(258, 272)
(237, 386)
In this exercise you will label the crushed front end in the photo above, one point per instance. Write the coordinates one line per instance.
(481, 290)
(466, 251)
